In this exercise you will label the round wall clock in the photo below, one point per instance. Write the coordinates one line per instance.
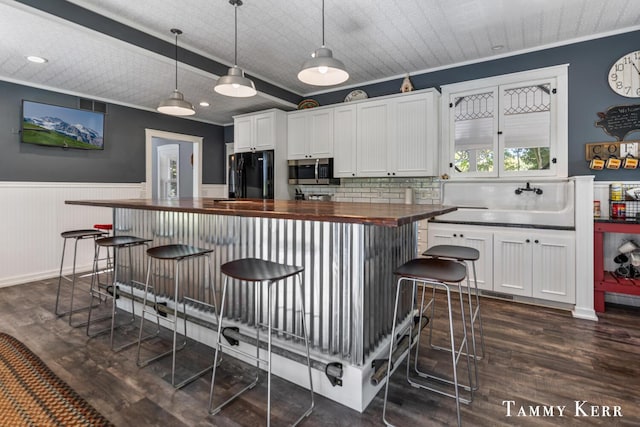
(624, 76)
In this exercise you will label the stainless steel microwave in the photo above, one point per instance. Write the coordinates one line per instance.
(311, 172)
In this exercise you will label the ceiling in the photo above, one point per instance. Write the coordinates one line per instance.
(377, 40)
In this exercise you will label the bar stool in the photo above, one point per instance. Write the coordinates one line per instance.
(464, 254)
(77, 235)
(432, 272)
(114, 243)
(176, 253)
(252, 270)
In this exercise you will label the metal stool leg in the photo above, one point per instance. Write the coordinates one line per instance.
(72, 311)
(64, 245)
(476, 313)
(306, 343)
(95, 290)
(218, 349)
(144, 310)
(389, 359)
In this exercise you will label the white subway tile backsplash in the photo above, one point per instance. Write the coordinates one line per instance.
(379, 190)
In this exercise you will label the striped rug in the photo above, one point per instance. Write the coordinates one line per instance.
(32, 395)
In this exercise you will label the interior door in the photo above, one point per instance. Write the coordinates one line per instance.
(168, 172)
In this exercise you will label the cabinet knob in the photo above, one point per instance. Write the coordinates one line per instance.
(455, 235)
(393, 173)
(353, 174)
(528, 241)
(388, 173)
(462, 235)
(536, 241)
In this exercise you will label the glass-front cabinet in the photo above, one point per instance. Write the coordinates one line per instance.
(518, 128)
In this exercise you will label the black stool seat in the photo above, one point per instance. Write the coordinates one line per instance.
(176, 252)
(81, 234)
(122, 241)
(433, 268)
(258, 270)
(461, 253)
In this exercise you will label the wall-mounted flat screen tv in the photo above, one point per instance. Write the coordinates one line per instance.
(56, 126)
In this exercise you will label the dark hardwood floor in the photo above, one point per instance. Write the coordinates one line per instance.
(535, 356)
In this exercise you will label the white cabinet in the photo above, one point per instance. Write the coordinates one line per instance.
(474, 237)
(516, 261)
(259, 131)
(535, 263)
(310, 134)
(413, 149)
(374, 136)
(398, 136)
(344, 141)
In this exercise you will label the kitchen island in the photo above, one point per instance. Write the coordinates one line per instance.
(349, 251)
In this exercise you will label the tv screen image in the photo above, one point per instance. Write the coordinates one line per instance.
(56, 126)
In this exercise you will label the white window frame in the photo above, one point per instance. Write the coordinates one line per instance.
(557, 74)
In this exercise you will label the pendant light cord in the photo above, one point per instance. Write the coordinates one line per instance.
(176, 60)
(323, 23)
(235, 58)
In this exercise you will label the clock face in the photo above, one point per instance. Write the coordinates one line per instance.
(624, 76)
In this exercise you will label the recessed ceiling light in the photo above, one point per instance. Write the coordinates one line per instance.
(37, 59)
(204, 104)
(497, 47)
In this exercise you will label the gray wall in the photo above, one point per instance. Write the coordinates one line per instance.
(122, 159)
(589, 90)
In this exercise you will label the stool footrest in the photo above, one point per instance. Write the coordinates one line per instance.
(441, 392)
(243, 353)
(144, 363)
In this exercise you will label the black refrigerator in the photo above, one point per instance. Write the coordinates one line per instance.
(251, 175)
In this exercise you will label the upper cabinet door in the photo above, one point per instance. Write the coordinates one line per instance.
(265, 131)
(373, 136)
(297, 136)
(413, 150)
(344, 138)
(320, 125)
(243, 135)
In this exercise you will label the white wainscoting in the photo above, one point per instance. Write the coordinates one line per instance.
(214, 190)
(34, 214)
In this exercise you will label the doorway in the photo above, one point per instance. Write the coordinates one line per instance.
(176, 170)
(167, 172)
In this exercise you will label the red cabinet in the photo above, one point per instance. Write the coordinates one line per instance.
(606, 281)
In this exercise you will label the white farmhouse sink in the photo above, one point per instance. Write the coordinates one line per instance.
(497, 202)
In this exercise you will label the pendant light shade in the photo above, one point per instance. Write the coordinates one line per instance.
(176, 105)
(235, 84)
(323, 69)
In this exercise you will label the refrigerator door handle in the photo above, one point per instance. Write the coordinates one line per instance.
(316, 169)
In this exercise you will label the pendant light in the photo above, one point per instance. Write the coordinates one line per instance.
(323, 69)
(235, 84)
(175, 105)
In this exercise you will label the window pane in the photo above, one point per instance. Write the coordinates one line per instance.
(474, 133)
(524, 159)
(527, 128)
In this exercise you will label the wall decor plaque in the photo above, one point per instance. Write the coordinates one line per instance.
(619, 121)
